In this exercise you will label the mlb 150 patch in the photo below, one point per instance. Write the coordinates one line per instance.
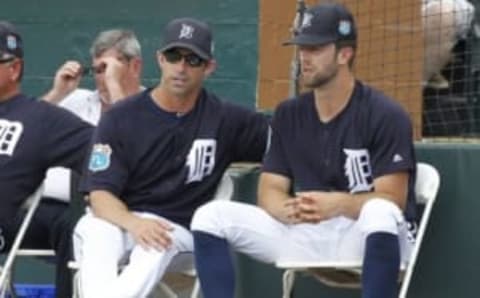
(100, 158)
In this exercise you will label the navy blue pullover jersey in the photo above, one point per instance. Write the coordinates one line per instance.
(34, 136)
(371, 137)
(157, 162)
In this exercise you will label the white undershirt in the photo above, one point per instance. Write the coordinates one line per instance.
(87, 105)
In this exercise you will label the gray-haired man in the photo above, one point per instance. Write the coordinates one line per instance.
(116, 67)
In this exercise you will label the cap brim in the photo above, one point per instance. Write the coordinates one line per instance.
(309, 40)
(188, 46)
(6, 55)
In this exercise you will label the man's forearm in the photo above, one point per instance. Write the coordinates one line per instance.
(54, 96)
(110, 208)
(351, 204)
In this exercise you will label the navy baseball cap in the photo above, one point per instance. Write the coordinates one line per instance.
(191, 34)
(10, 41)
(325, 23)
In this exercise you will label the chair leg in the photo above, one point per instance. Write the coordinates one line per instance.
(76, 285)
(11, 286)
(3, 288)
(196, 289)
(8, 290)
(288, 281)
(169, 293)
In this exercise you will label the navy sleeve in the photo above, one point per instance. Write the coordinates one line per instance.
(250, 133)
(107, 166)
(392, 143)
(275, 160)
(67, 139)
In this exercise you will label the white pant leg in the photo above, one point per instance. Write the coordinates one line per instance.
(377, 215)
(252, 231)
(99, 246)
(144, 269)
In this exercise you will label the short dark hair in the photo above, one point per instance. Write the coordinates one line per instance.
(347, 44)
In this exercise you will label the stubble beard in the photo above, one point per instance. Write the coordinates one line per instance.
(319, 80)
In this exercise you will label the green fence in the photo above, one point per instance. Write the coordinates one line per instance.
(56, 30)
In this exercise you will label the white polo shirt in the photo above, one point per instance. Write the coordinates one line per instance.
(87, 105)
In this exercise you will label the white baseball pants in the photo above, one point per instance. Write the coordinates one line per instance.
(101, 247)
(252, 231)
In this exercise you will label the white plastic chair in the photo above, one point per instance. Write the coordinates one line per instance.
(348, 274)
(32, 203)
(183, 264)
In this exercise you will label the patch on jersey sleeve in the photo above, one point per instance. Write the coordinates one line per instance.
(100, 158)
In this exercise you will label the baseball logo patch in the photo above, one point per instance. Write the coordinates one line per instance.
(345, 27)
(100, 158)
(11, 42)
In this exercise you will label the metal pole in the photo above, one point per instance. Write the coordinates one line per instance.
(295, 64)
(34, 201)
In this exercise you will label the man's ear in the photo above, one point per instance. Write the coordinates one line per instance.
(345, 55)
(160, 58)
(16, 70)
(211, 66)
(137, 65)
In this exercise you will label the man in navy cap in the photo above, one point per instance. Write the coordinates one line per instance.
(156, 157)
(34, 135)
(337, 181)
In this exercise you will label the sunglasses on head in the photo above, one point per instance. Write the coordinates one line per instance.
(174, 56)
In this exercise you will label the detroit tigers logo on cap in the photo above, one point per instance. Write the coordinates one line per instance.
(307, 20)
(186, 31)
(100, 158)
(344, 27)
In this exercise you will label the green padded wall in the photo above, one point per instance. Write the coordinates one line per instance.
(56, 30)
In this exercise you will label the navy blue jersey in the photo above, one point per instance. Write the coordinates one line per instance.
(158, 162)
(34, 136)
(371, 137)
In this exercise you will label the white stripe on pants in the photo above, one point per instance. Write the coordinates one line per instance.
(100, 247)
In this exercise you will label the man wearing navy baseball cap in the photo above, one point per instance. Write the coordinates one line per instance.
(34, 135)
(346, 150)
(189, 137)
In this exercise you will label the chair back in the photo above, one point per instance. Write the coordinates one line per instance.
(426, 189)
(225, 188)
(427, 183)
